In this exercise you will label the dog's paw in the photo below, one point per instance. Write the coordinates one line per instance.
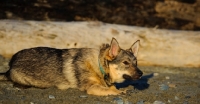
(123, 92)
(118, 92)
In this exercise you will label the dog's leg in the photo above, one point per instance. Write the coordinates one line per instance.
(103, 91)
(21, 86)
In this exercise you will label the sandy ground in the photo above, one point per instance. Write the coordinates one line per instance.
(159, 85)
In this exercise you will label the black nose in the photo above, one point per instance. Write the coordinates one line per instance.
(140, 73)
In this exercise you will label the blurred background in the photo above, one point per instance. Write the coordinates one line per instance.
(167, 14)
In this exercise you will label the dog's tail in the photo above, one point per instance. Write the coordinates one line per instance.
(3, 77)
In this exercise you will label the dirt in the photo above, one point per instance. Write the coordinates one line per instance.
(126, 12)
(158, 85)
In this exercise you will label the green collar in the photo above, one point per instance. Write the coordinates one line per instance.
(101, 68)
(105, 76)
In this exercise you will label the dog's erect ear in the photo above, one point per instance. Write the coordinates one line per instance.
(114, 48)
(135, 47)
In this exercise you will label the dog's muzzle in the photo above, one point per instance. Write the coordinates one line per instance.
(134, 77)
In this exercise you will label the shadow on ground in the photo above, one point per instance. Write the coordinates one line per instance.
(140, 84)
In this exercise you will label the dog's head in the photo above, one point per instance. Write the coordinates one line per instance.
(123, 63)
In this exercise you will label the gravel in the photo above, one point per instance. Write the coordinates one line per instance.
(159, 85)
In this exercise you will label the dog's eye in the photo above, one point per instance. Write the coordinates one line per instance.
(135, 62)
(126, 63)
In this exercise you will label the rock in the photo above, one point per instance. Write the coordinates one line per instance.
(31, 103)
(140, 102)
(177, 9)
(176, 98)
(171, 85)
(158, 102)
(83, 96)
(164, 87)
(51, 97)
(118, 100)
(155, 74)
(127, 102)
(169, 101)
(187, 97)
(167, 77)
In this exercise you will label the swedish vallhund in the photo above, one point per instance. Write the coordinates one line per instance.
(92, 70)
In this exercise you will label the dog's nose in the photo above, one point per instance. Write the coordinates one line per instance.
(140, 73)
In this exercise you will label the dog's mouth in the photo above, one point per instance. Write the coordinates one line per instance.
(128, 77)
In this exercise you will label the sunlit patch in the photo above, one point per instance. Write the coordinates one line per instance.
(116, 74)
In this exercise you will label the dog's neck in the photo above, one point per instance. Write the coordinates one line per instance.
(101, 68)
(103, 64)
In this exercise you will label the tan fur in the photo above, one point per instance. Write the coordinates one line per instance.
(102, 91)
(116, 74)
(70, 75)
(79, 68)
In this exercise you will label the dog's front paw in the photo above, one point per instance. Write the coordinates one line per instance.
(123, 92)
(118, 92)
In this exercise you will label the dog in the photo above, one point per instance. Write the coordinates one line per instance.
(92, 70)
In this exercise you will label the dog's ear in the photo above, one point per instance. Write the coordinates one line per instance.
(114, 48)
(135, 47)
